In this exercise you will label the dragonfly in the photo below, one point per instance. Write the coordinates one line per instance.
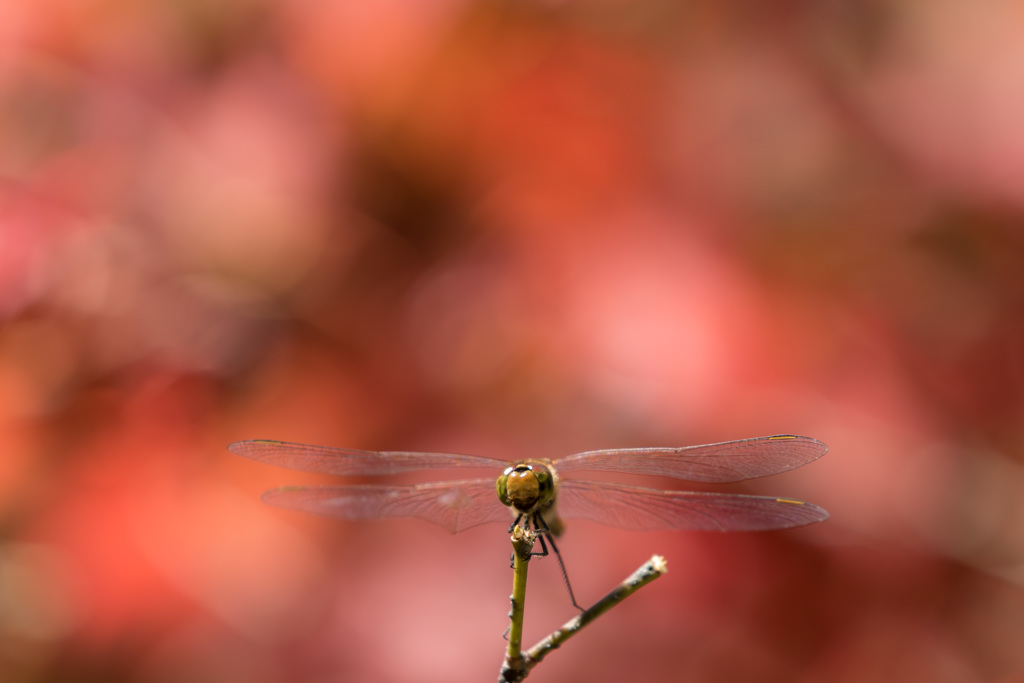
(533, 492)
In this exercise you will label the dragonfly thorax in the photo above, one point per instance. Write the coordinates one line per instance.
(526, 487)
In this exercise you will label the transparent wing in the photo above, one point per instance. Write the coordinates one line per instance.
(716, 462)
(643, 509)
(454, 505)
(352, 462)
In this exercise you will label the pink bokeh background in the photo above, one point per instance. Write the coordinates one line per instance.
(512, 229)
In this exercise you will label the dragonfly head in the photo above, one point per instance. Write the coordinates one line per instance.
(526, 486)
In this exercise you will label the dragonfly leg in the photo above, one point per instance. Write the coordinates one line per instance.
(540, 526)
(543, 549)
(543, 546)
(512, 556)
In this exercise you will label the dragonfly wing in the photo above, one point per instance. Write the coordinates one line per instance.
(643, 509)
(716, 462)
(352, 462)
(454, 505)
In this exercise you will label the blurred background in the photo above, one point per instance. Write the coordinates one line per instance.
(511, 228)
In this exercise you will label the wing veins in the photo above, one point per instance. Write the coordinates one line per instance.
(452, 505)
(728, 461)
(643, 509)
(351, 461)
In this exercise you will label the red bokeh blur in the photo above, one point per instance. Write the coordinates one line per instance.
(508, 228)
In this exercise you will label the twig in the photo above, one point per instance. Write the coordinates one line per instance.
(522, 547)
(516, 669)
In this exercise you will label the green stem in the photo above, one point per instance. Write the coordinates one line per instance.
(522, 546)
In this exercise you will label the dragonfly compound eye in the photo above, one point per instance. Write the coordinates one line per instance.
(519, 488)
(502, 486)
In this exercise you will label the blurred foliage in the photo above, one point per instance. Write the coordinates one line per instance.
(510, 228)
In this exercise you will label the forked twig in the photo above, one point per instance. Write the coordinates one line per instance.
(517, 665)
